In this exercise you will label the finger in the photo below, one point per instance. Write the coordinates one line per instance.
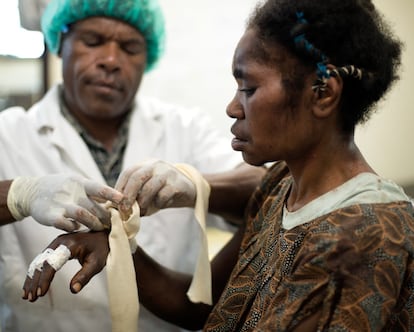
(43, 268)
(83, 216)
(149, 192)
(102, 191)
(66, 224)
(26, 288)
(30, 287)
(135, 183)
(166, 197)
(31, 283)
(96, 210)
(45, 279)
(124, 176)
(38, 285)
(58, 220)
(84, 275)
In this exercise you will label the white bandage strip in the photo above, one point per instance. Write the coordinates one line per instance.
(55, 258)
(122, 289)
(201, 288)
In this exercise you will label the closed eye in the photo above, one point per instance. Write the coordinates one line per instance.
(92, 39)
(248, 91)
(133, 47)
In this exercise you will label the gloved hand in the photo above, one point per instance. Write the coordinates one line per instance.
(155, 185)
(62, 201)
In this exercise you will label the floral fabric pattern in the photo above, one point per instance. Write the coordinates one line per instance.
(353, 267)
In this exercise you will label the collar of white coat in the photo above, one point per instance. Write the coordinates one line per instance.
(47, 116)
(146, 130)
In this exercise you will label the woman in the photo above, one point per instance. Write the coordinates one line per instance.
(328, 244)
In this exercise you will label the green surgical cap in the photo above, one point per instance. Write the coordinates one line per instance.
(145, 15)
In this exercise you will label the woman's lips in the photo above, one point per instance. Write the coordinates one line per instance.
(237, 144)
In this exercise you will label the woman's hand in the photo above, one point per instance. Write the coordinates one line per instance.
(89, 248)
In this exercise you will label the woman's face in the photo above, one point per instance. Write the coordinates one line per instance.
(266, 127)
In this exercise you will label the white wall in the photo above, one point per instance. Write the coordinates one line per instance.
(20, 76)
(196, 68)
(387, 139)
(196, 71)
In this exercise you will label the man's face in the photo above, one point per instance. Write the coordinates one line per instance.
(103, 61)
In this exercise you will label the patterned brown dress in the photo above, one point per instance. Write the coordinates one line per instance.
(354, 266)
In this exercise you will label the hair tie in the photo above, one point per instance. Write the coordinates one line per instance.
(349, 70)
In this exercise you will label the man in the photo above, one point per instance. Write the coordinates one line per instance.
(94, 125)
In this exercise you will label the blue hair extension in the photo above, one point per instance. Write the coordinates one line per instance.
(301, 17)
(322, 71)
(301, 42)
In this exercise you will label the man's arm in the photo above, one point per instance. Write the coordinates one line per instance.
(5, 215)
(155, 184)
(231, 190)
(60, 200)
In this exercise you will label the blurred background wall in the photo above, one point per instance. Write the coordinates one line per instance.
(196, 71)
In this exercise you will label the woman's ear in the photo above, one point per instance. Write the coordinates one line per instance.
(327, 101)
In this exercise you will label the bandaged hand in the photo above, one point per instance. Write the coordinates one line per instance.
(89, 248)
(62, 201)
(155, 185)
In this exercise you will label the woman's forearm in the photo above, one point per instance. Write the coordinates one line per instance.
(231, 190)
(163, 292)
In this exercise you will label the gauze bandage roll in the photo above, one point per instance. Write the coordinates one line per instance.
(200, 288)
(122, 286)
(123, 292)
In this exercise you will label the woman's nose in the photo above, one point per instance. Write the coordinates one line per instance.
(234, 109)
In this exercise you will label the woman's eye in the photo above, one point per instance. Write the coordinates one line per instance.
(247, 91)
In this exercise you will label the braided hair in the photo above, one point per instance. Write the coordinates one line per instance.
(349, 34)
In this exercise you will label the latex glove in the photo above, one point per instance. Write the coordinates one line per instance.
(155, 185)
(62, 201)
